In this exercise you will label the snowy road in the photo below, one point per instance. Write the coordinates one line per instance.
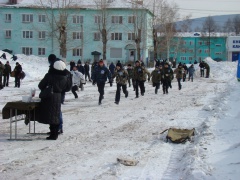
(95, 136)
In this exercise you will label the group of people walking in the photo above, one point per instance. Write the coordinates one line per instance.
(132, 76)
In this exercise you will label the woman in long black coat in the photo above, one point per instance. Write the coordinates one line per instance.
(50, 108)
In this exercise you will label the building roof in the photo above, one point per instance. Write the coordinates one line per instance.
(85, 3)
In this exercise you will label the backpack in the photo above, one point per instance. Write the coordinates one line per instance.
(69, 81)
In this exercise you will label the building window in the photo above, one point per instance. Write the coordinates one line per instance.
(77, 52)
(183, 58)
(190, 42)
(77, 19)
(97, 36)
(8, 34)
(116, 36)
(77, 35)
(200, 42)
(206, 43)
(27, 50)
(191, 50)
(97, 19)
(131, 19)
(199, 51)
(218, 53)
(218, 45)
(206, 50)
(115, 52)
(117, 19)
(41, 51)
(27, 34)
(131, 36)
(8, 17)
(190, 58)
(184, 50)
(42, 34)
(26, 18)
(42, 18)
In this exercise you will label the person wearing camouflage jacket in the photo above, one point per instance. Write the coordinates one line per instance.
(130, 76)
(121, 80)
(179, 75)
(156, 78)
(139, 75)
(167, 76)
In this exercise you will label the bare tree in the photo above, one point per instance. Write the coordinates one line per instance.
(57, 15)
(209, 29)
(103, 26)
(236, 24)
(138, 24)
(228, 26)
(165, 18)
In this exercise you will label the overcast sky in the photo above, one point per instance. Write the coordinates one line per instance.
(203, 8)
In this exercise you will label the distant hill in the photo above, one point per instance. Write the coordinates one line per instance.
(197, 23)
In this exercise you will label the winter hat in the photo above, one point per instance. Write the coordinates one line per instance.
(52, 58)
(59, 65)
(129, 65)
(101, 61)
(119, 64)
(17, 63)
(137, 61)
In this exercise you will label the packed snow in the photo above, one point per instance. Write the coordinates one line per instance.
(94, 136)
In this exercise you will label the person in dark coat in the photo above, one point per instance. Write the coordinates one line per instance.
(17, 74)
(72, 64)
(99, 76)
(167, 76)
(3, 56)
(14, 58)
(112, 68)
(202, 67)
(191, 71)
(80, 68)
(87, 73)
(2, 68)
(6, 73)
(79, 61)
(50, 108)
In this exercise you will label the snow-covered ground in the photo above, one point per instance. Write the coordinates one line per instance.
(95, 136)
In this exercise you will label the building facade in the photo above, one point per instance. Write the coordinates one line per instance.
(233, 48)
(33, 30)
(189, 49)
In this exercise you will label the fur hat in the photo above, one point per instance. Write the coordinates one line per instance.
(52, 58)
(59, 65)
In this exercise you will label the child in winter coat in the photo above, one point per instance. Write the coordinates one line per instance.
(156, 78)
(76, 78)
(191, 71)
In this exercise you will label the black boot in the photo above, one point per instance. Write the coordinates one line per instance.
(53, 132)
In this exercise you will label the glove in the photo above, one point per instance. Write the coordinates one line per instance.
(94, 82)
